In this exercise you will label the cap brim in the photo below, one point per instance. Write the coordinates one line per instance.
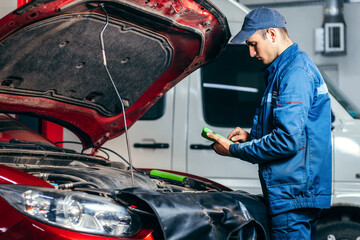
(242, 36)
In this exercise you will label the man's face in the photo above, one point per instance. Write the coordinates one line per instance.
(262, 49)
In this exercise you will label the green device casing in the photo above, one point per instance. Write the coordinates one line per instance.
(167, 175)
(205, 130)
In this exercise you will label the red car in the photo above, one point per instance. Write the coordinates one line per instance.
(95, 67)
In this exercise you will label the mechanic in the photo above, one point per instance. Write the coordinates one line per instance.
(290, 137)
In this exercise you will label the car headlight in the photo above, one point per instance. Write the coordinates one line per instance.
(73, 210)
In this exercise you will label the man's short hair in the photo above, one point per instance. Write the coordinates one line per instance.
(283, 32)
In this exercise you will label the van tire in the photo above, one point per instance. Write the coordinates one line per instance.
(338, 231)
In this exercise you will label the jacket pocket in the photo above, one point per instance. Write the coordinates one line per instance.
(287, 171)
(289, 113)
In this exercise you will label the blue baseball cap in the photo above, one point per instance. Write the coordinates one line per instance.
(259, 18)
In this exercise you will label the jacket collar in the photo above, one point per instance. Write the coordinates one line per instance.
(280, 59)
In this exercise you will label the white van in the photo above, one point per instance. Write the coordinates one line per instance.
(222, 95)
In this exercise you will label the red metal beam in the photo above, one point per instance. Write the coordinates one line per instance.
(52, 132)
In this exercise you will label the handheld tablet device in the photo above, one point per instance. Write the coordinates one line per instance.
(205, 130)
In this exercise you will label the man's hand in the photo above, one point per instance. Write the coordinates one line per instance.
(239, 135)
(221, 146)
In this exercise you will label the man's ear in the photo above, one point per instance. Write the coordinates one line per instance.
(272, 34)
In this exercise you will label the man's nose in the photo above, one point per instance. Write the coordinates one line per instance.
(252, 51)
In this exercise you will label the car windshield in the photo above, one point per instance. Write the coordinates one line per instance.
(350, 107)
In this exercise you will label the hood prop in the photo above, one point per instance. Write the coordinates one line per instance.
(116, 90)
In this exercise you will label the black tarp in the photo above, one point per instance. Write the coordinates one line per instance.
(206, 215)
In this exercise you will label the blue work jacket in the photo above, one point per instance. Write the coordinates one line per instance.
(291, 135)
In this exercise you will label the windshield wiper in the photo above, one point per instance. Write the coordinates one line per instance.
(23, 144)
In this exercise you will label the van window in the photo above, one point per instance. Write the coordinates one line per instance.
(232, 88)
(156, 111)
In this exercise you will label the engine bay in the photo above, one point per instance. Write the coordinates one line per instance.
(70, 171)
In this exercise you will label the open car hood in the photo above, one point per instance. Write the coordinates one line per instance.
(51, 62)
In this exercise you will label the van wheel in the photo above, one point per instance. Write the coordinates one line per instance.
(339, 231)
